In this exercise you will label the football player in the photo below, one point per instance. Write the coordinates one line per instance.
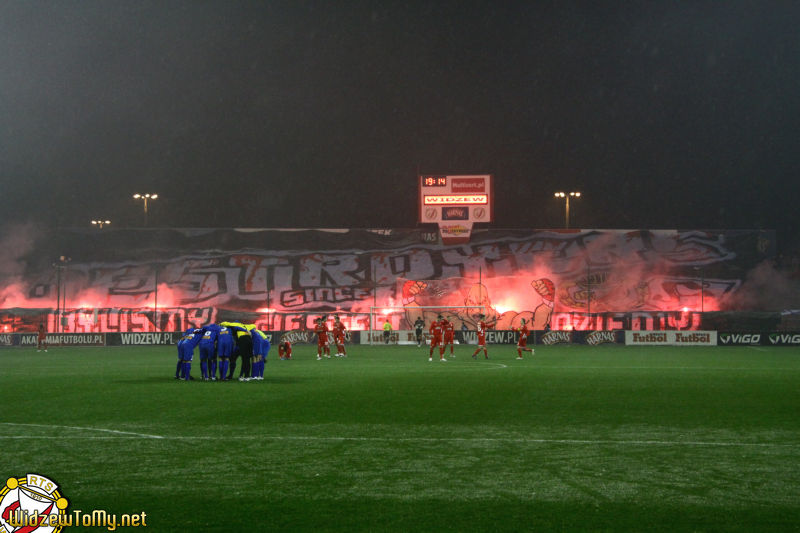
(208, 348)
(436, 330)
(338, 336)
(224, 351)
(190, 339)
(523, 339)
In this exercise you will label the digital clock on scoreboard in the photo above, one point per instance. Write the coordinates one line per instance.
(434, 181)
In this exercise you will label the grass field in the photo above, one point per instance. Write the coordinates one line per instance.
(574, 438)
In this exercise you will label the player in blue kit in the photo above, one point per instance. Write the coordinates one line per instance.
(224, 351)
(191, 337)
(261, 348)
(208, 350)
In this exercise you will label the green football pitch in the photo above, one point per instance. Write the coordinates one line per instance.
(606, 438)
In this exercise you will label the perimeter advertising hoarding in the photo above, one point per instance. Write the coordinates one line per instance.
(740, 339)
(783, 339)
(759, 338)
(670, 338)
(63, 339)
(470, 337)
(134, 339)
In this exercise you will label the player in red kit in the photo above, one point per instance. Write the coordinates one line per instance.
(437, 331)
(338, 336)
(323, 346)
(449, 335)
(523, 339)
(481, 338)
(42, 338)
(285, 350)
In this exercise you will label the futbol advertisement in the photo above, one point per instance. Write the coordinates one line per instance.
(671, 338)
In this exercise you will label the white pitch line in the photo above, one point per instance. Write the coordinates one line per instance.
(496, 365)
(703, 368)
(80, 428)
(127, 435)
(522, 440)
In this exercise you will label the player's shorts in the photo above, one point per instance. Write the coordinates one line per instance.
(322, 343)
(436, 341)
(482, 341)
(522, 343)
(339, 340)
(186, 353)
(449, 338)
(206, 351)
(224, 349)
(42, 336)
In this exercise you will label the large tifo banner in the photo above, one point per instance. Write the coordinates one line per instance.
(78, 281)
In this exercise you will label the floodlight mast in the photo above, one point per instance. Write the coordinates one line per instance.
(145, 198)
(566, 196)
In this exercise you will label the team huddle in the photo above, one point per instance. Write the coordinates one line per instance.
(220, 345)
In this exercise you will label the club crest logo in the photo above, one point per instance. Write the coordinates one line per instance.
(31, 504)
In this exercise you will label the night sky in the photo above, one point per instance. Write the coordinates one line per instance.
(320, 114)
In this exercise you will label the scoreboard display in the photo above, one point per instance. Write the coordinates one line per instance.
(466, 198)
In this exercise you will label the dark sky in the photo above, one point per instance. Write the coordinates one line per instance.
(300, 114)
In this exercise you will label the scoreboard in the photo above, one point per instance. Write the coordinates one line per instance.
(455, 198)
(455, 203)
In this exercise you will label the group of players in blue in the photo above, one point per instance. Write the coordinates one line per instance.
(220, 345)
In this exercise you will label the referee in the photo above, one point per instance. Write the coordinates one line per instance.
(419, 325)
(244, 342)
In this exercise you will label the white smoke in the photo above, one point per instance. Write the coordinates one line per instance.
(765, 289)
(16, 242)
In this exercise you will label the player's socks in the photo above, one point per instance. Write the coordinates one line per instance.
(187, 370)
(223, 368)
(213, 371)
(179, 370)
(204, 368)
